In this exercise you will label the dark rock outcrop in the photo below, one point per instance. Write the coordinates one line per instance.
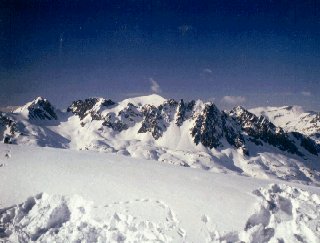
(156, 119)
(208, 127)
(151, 121)
(184, 110)
(130, 114)
(308, 144)
(41, 109)
(82, 108)
(113, 122)
(260, 128)
(232, 133)
(7, 123)
(126, 118)
(212, 126)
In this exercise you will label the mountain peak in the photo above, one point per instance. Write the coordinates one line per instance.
(39, 99)
(38, 109)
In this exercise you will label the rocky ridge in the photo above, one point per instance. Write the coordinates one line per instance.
(192, 134)
(211, 127)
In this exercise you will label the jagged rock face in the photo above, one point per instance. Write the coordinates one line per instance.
(168, 110)
(7, 124)
(151, 122)
(126, 118)
(293, 119)
(82, 108)
(41, 109)
(157, 119)
(232, 133)
(5, 121)
(184, 110)
(211, 127)
(113, 122)
(129, 113)
(260, 128)
(208, 127)
(309, 144)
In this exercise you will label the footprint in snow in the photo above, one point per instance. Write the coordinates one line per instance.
(172, 222)
(208, 230)
(7, 154)
(161, 204)
(205, 219)
(47, 219)
(182, 233)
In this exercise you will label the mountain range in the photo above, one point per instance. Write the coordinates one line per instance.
(265, 142)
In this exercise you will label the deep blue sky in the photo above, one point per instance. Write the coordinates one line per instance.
(256, 52)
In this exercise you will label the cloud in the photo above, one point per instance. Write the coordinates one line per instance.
(306, 93)
(233, 100)
(155, 87)
(207, 70)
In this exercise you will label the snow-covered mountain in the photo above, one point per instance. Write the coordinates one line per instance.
(38, 109)
(293, 118)
(188, 133)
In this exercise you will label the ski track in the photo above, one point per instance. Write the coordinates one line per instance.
(282, 214)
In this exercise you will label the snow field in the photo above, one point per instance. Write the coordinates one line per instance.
(96, 197)
(282, 214)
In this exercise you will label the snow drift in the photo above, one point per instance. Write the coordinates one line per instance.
(51, 195)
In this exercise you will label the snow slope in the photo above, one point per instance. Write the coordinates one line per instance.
(59, 195)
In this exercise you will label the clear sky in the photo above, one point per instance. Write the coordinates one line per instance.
(253, 53)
